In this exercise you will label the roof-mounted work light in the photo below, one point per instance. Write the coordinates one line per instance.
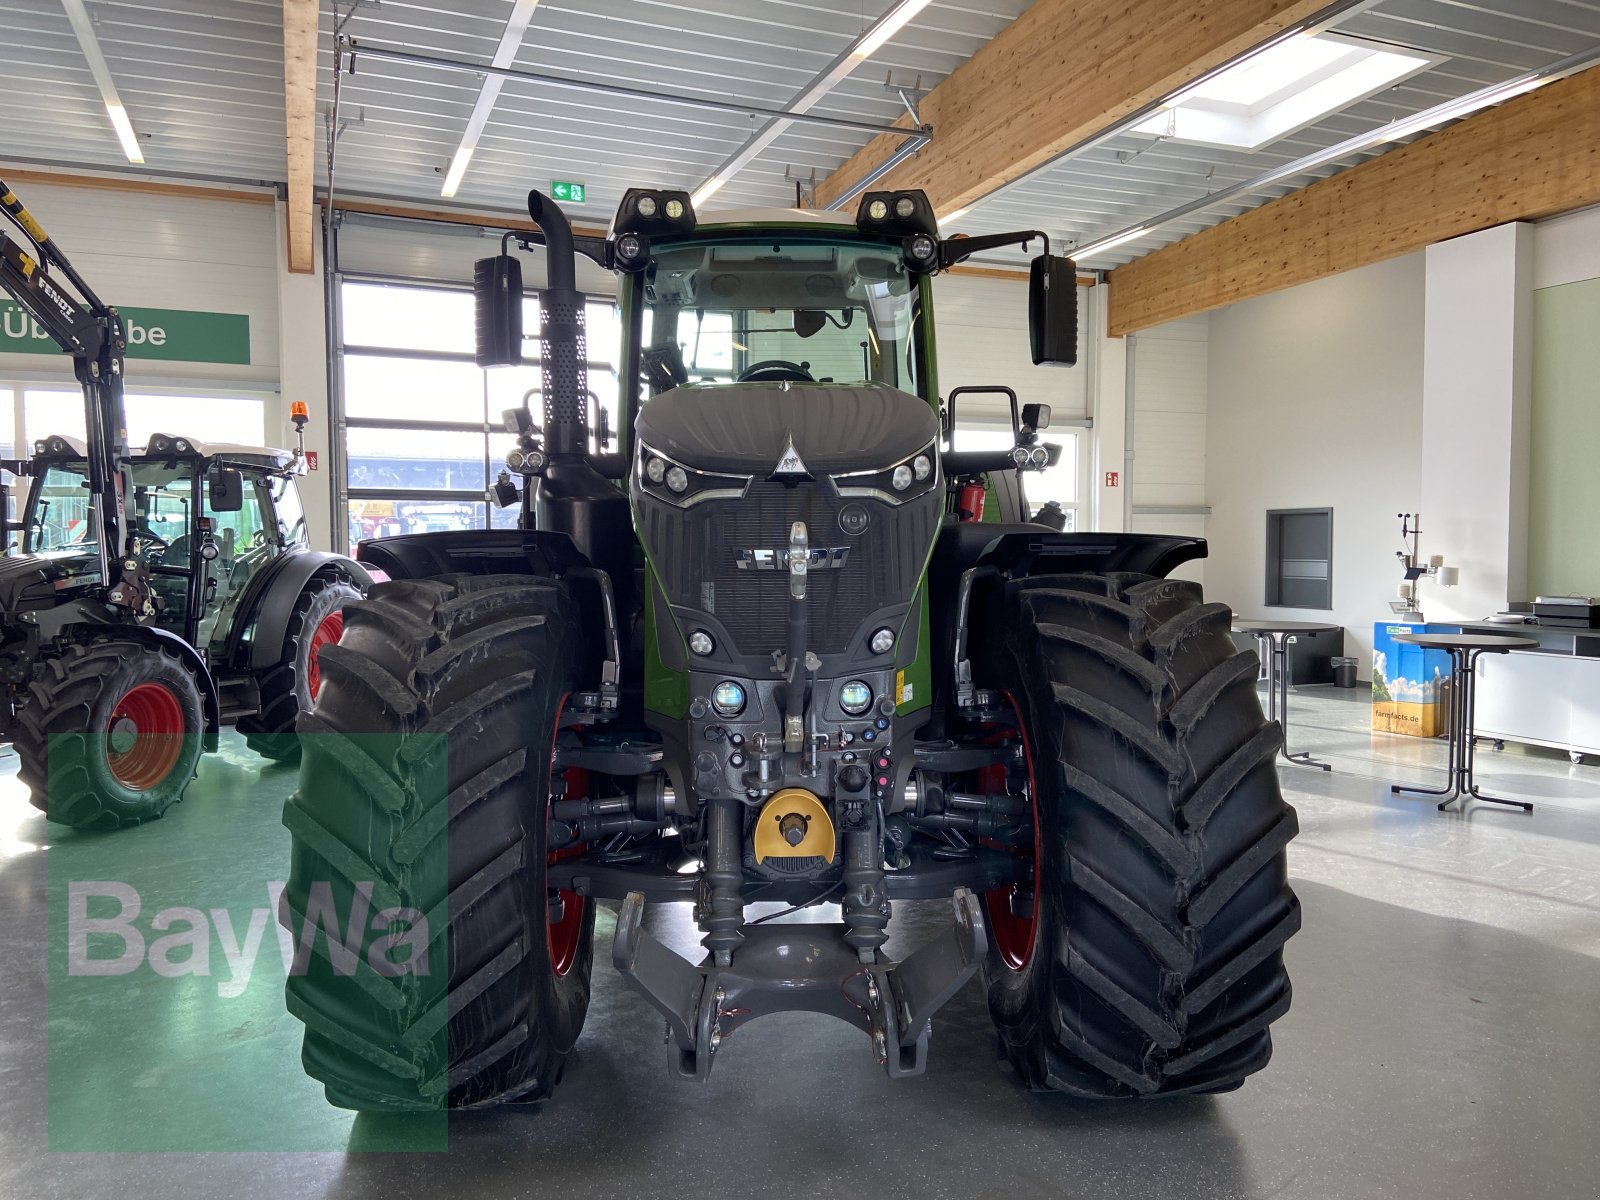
(653, 213)
(897, 214)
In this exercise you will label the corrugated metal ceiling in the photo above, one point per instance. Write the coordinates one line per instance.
(202, 80)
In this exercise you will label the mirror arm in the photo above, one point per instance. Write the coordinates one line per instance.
(957, 250)
(596, 249)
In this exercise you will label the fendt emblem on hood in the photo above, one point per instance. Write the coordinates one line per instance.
(821, 558)
(790, 463)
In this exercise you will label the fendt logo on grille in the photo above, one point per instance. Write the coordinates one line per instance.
(820, 559)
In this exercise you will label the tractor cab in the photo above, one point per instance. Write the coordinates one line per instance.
(206, 520)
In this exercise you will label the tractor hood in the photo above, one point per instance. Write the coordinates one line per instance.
(29, 582)
(745, 428)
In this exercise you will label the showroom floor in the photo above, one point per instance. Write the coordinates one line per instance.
(1445, 1038)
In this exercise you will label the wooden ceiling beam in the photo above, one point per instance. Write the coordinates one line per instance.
(300, 19)
(1056, 76)
(1535, 156)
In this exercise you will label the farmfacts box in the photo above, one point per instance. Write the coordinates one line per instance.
(1410, 685)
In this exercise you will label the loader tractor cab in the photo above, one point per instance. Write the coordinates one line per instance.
(769, 645)
(152, 595)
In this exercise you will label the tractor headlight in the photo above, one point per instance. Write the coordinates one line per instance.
(905, 207)
(701, 643)
(674, 209)
(905, 480)
(632, 252)
(658, 476)
(855, 697)
(646, 207)
(882, 641)
(728, 699)
(877, 210)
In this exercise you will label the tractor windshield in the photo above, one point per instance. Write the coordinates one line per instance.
(779, 307)
(62, 516)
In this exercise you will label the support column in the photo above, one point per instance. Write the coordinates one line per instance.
(303, 375)
(1108, 405)
(1477, 394)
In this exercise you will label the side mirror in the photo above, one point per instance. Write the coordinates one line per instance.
(1053, 311)
(226, 490)
(497, 304)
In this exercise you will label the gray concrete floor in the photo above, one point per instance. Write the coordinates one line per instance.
(1444, 1041)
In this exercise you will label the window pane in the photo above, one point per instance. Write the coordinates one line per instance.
(409, 389)
(392, 516)
(8, 423)
(509, 385)
(47, 411)
(1060, 482)
(407, 317)
(205, 418)
(400, 459)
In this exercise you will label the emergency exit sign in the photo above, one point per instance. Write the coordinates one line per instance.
(572, 193)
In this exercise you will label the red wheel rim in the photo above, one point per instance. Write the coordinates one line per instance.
(144, 737)
(563, 933)
(326, 633)
(1013, 935)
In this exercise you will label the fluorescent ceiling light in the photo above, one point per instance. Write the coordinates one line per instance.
(1285, 87)
(707, 190)
(84, 28)
(125, 133)
(956, 215)
(853, 55)
(885, 27)
(504, 55)
(1109, 243)
(458, 168)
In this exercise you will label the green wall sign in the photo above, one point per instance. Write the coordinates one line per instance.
(173, 334)
(567, 191)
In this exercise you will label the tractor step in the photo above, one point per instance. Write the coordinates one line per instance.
(801, 968)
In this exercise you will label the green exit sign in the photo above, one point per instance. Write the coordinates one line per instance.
(572, 193)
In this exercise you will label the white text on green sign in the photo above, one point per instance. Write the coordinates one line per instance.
(572, 193)
(173, 334)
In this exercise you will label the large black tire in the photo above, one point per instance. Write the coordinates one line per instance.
(288, 687)
(1162, 903)
(75, 751)
(425, 773)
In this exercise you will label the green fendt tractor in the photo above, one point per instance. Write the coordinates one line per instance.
(146, 599)
(765, 651)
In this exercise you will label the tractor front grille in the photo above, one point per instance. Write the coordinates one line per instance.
(696, 552)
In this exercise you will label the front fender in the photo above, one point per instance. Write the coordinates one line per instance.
(264, 615)
(1020, 550)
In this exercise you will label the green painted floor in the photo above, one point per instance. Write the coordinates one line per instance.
(1445, 1039)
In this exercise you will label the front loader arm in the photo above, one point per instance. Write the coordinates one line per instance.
(92, 333)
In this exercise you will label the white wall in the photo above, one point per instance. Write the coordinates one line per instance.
(1315, 400)
(1566, 249)
(983, 339)
(166, 251)
(1165, 487)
